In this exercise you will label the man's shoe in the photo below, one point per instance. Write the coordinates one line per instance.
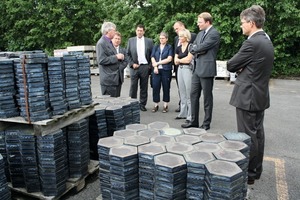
(188, 125)
(143, 108)
(250, 181)
(178, 109)
(205, 127)
(180, 117)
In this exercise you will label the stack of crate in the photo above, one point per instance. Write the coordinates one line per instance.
(84, 50)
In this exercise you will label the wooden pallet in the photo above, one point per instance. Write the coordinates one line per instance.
(74, 184)
(47, 126)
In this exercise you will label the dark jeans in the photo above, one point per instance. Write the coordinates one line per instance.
(163, 78)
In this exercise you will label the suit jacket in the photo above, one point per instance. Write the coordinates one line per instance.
(166, 52)
(122, 63)
(109, 65)
(205, 53)
(255, 58)
(132, 53)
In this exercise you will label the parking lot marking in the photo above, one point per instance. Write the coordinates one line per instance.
(281, 184)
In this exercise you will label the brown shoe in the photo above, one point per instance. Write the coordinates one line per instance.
(165, 109)
(155, 109)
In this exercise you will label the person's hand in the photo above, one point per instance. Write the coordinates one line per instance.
(120, 56)
(135, 66)
(155, 70)
(176, 61)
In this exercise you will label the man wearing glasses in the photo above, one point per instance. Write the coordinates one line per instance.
(253, 63)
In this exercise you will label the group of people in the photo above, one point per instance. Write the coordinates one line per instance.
(193, 58)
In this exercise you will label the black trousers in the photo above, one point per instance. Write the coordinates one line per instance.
(251, 123)
(113, 91)
(200, 84)
(140, 75)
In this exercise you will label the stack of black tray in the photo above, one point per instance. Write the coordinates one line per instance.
(124, 177)
(32, 84)
(78, 148)
(114, 118)
(207, 147)
(223, 181)
(126, 106)
(146, 155)
(240, 159)
(242, 137)
(97, 129)
(136, 127)
(57, 86)
(4, 190)
(194, 131)
(149, 133)
(196, 161)
(135, 110)
(163, 139)
(104, 146)
(84, 73)
(29, 160)
(52, 154)
(136, 140)
(158, 126)
(4, 154)
(125, 133)
(188, 139)
(8, 106)
(179, 148)
(71, 81)
(212, 138)
(14, 157)
(170, 177)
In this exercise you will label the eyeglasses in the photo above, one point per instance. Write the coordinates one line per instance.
(244, 22)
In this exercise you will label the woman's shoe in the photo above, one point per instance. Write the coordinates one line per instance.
(165, 109)
(155, 109)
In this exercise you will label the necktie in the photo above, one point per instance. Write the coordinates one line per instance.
(202, 38)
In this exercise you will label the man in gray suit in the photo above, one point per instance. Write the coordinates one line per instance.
(204, 49)
(116, 41)
(139, 55)
(109, 61)
(253, 63)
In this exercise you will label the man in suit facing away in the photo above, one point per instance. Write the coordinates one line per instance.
(139, 56)
(253, 63)
(109, 61)
(204, 49)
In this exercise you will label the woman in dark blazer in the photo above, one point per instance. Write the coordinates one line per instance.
(161, 59)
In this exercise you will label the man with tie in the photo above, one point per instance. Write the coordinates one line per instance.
(204, 49)
(116, 41)
(139, 55)
(253, 63)
(109, 61)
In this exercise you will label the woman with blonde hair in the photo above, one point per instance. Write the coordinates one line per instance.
(183, 59)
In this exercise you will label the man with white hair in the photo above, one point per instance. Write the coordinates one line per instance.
(108, 61)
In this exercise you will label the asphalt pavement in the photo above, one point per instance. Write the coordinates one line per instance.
(281, 175)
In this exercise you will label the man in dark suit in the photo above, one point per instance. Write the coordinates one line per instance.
(179, 26)
(204, 49)
(108, 61)
(117, 39)
(139, 55)
(250, 96)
